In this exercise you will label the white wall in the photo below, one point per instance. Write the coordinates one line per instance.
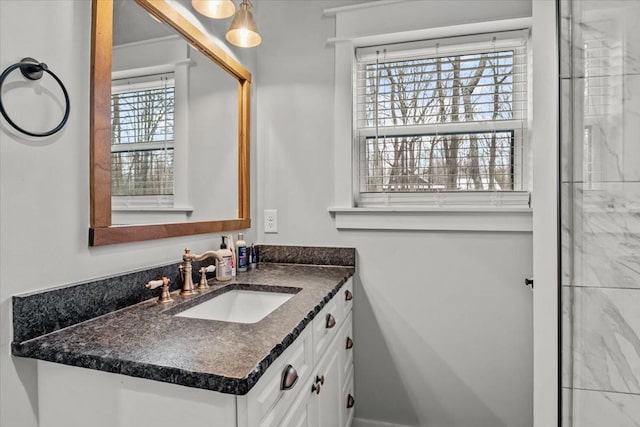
(442, 320)
(44, 198)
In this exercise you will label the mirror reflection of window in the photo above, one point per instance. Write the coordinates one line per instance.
(142, 140)
(149, 131)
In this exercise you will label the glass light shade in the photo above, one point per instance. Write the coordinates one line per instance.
(243, 31)
(217, 9)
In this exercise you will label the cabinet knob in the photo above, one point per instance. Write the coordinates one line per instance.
(320, 379)
(315, 388)
(348, 295)
(289, 378)
(350, 401)
(349, 343)
(331, 321)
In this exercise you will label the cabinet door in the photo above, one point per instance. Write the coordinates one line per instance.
(330, 397)
(348, 401)
(301, 412)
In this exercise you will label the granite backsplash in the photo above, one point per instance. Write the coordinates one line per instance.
(316, 255)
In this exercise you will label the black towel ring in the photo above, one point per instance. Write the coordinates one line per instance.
(33, 70)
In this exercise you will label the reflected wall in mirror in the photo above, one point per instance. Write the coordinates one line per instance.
(169, 127)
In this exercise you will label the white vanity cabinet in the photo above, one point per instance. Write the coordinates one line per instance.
(320, 398)
(327, 399)
(322, 356)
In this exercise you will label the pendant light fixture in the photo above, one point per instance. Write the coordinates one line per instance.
(217, 9)
(243, 31)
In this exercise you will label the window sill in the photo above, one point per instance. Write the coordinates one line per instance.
(434, 218)
(150, 214)
(185, 209)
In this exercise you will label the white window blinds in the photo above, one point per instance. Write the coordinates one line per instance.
(142, 136)
(442, 115)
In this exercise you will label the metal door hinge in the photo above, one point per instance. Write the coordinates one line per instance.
(528, 282)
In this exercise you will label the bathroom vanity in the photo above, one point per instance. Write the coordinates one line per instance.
(151, 363)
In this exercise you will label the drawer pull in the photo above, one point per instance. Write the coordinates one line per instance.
(331, 321)
(349, 343)
(315, 388)
(350, 401)
(289, 378)
(320, 379)
(348, 295)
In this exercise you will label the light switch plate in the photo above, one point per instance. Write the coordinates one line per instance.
(270, 220)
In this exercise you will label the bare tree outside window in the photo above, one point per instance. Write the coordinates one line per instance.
(431, 93)
(142, 138)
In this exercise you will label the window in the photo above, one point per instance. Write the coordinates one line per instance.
(142, 140)
(441, 116)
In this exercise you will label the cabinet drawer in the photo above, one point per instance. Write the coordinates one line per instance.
(346, 296)
(346, 345)
(266, 403)
(326, 325)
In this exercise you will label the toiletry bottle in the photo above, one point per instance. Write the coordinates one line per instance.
(232, 248)
(241, 250)
(252, 257)
(223, 244)
(223, 270)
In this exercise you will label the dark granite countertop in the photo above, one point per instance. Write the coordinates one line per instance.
(146, 340)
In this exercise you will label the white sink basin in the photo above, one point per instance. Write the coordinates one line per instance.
(238, 306)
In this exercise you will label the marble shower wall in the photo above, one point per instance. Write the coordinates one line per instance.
(600, 153)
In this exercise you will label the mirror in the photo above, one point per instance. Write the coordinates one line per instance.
(174, 125)
(216, 197)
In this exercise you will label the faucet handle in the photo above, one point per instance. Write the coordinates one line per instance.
(153, 284)
(165, 296)
(202, 285)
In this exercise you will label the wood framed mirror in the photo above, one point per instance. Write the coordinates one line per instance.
(102, 231)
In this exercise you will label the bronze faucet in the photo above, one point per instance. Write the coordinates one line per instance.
(185, 267)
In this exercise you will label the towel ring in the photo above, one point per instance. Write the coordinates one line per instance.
(33, 70)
